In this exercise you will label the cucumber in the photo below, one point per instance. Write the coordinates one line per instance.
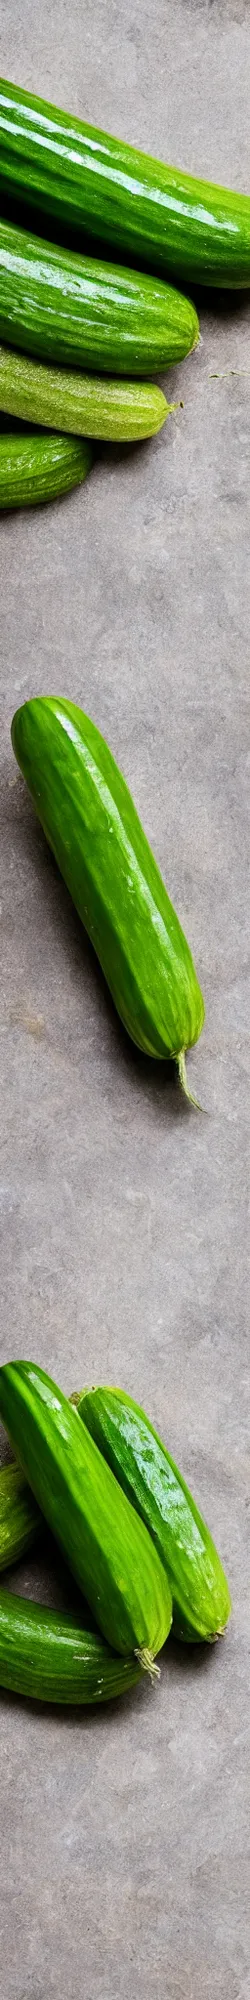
(91, 823)
(46, 1655)
(20, 1521)
(76, 309)
(150, 1479)
(107, 1547)
(87, 404)
(35, 467)
(184, 226)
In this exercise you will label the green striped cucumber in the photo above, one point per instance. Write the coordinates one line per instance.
(107, 1547)
(46, 1655)
(81, 176)
(64, 307)
(89, 405)
(20, 1521)
(150, 1479)
(92, 825)
(37, 467)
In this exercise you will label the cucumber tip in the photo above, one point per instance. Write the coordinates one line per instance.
(147, 1663)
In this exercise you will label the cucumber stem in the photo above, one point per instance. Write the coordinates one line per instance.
(174, 406)
(181, 1066)
(146, 1661)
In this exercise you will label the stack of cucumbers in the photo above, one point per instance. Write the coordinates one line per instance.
(97, 242)
(81, 333)
(129, 1529)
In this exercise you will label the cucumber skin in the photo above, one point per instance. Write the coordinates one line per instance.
(152, 1482)
(20, 1521)
(45, 1655)
(74, 309)
(37, 468)
(87, 405)
(107, 1547)
(91, 823)
(183, 226)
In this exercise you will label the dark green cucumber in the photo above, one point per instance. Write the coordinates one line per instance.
(149, 1477)
(87, 404)
(20, 1521)
(46, 1655)
(83, 177)
(76, 309)
(91, 823)
(38, 467)
(107, 1547)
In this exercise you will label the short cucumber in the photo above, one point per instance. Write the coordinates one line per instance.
(92, 825)
(149, 1477)
(46, 1655)
(89, 405)
(20, 1521)
(36, 467)
(183, 226)
(107, 1547)
(94, 315)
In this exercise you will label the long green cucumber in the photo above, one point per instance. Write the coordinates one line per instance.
(96, 183)
(38, 467)
(149, 1477)
(92, 825)
(64, 307)
(107, 1547)
(20, 1521)
(46, 1655)
(89, 405)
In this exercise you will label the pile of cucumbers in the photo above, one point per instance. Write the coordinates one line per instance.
(81, 334)
(120, 1511)
(64, 311)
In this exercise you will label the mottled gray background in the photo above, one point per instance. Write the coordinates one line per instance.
(124, 1216)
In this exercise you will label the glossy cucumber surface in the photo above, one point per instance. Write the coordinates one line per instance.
(37, 467)
(151, 1480)
(64, 307)
(107, 1547)
(89, 405)
(181, 225)
(92, 825)
(46, 1655)
(20, 1521)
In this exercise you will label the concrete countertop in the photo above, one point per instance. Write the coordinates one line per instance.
(124, 1214)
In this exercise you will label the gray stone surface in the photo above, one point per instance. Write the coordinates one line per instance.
(124, 1216)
